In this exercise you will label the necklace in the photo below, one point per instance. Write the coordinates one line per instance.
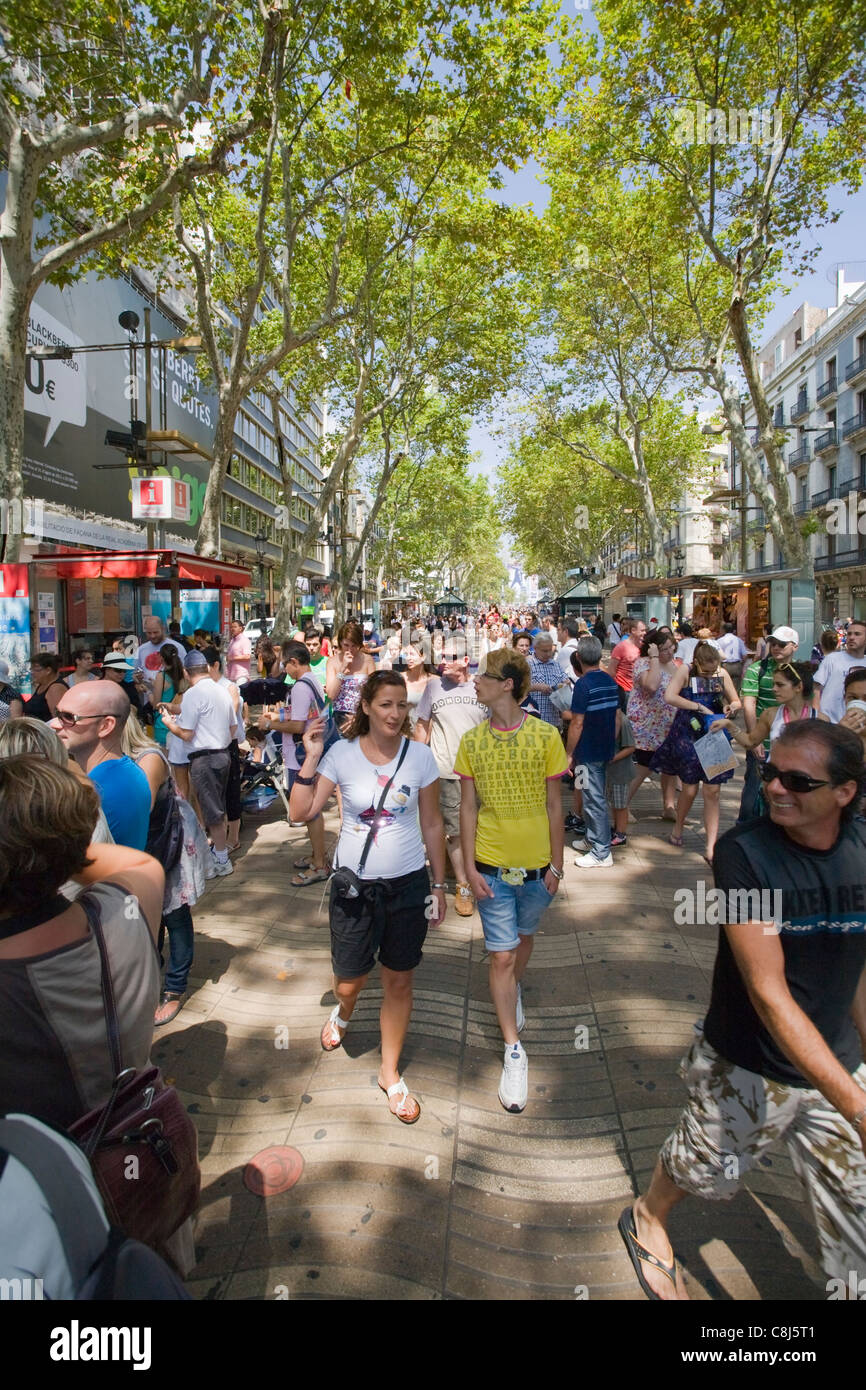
(503, 736)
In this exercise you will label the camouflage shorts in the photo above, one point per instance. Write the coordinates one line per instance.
(734, 1115)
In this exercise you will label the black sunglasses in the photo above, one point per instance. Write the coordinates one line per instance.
(791, 781)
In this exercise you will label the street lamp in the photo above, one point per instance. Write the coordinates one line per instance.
(260, 541)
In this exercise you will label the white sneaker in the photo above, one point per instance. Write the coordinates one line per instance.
(589, 861)
(223, 870)
(514, 1083)
(521, 1016)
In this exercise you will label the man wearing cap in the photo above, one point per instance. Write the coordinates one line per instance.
(757, 694)
(207, 723)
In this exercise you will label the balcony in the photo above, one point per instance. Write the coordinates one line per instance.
(856, 425)
(820, 499)
(827, 441)
(757, 522)
(802, 507)
(827, 390)
(801, 455)
(852, 485)
(856, 368)
(801, 409)
(841, 559)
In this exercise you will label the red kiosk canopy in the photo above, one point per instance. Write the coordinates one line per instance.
(159, 565)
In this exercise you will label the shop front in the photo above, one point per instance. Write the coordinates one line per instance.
(749, 602)
(92, 598)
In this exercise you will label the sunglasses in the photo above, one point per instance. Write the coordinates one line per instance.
(791, 781)
(69, 720)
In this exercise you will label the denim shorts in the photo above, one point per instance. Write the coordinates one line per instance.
(515, 910)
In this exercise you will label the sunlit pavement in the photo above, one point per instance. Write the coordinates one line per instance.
(470, 1202)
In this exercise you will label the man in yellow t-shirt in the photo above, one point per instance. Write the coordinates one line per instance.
(511, 832)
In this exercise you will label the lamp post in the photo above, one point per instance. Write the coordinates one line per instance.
(260, 541)
(679, 560)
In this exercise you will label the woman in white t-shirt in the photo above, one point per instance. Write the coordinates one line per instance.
(389, 905)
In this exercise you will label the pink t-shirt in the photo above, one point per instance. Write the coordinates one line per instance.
(238, 653)
(626, 653)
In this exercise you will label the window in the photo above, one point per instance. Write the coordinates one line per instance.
(778, 355)
(798, 337)
(831, 370)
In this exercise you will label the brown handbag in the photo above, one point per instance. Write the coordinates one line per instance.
(142, 1145)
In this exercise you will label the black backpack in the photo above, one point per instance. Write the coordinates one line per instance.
(104, 1263)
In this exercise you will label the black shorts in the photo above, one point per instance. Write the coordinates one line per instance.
(388, 916)
(642, 756)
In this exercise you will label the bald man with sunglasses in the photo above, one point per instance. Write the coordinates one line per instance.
(89, 720)
(780, 1053)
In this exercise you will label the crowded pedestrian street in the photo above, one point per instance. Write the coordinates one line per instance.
(432, 678)
(470, 1203)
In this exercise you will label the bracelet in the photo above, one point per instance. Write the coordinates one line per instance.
(858, 1119)
(305, 781)
(557, 873)
(443, 886)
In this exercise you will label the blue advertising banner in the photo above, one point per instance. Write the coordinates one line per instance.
(15, 624)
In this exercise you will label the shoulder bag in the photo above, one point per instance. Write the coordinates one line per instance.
(347, 883)
(142, 1145)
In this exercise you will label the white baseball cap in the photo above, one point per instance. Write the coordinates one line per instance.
(785, 634)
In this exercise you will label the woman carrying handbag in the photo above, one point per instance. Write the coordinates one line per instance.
(381, 902)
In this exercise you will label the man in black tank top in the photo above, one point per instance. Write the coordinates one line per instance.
(781, 1050)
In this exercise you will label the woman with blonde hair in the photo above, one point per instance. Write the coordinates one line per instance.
(25, 738)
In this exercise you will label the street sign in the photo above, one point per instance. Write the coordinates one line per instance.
(161, 499)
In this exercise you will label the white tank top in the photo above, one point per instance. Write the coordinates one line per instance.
(779, 721)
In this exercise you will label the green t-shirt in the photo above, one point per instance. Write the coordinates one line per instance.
(758, 682)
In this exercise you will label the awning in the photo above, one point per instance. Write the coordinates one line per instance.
(159, 565)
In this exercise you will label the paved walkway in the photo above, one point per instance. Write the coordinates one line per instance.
(470, 1202)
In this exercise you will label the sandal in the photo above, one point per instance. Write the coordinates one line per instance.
(407, 1108)
(169, 1007)
(311, 875)
(331, 1037)
(305, 863)
(676, 840)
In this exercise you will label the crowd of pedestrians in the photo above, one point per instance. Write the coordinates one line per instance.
(446, 746)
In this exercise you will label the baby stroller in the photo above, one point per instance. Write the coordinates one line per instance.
(262, 783)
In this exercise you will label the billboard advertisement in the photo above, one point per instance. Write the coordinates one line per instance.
(15, 624)
(69, 405)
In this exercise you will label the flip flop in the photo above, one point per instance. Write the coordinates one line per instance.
(676, 840)
(311, 876)
(638, 1254)
(400, 1111)
(330, 1037)
(172, 1004)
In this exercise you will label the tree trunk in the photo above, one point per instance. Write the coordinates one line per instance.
(208, 541)
(286, 596)
(17, 288)
(14, 307)
(780, 513)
